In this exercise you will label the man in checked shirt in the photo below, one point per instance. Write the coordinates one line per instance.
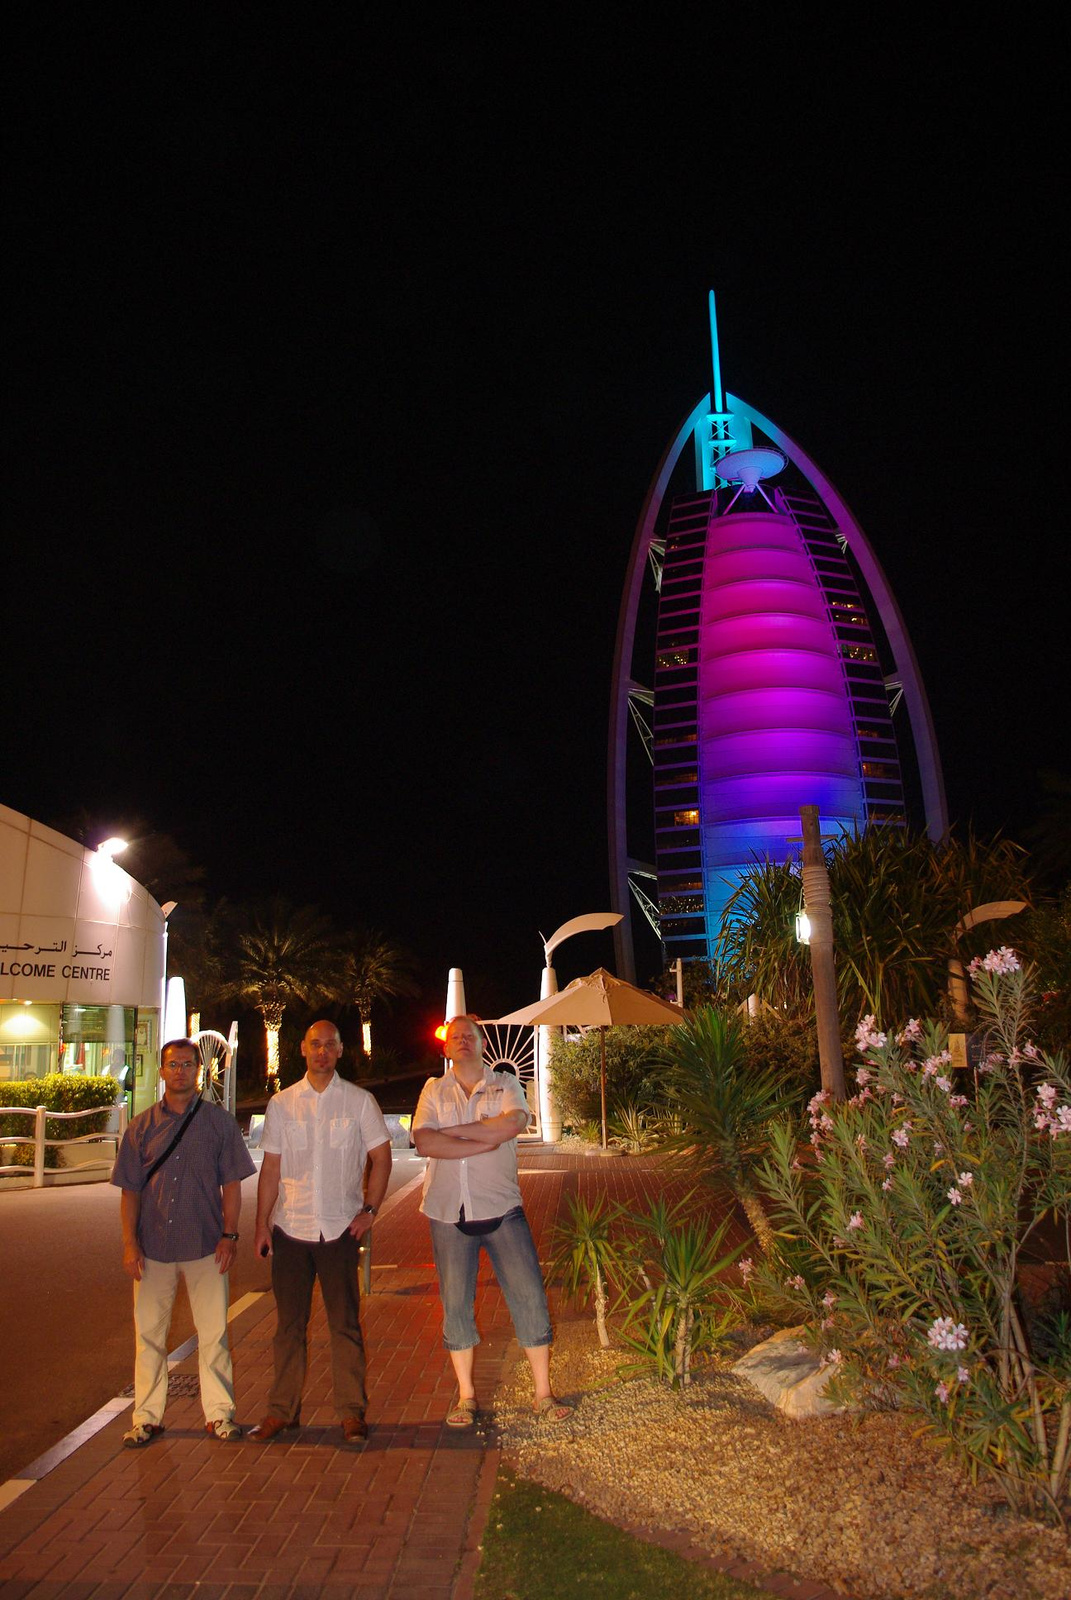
(181, 1218)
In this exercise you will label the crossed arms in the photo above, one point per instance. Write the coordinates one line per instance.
(470, 1138)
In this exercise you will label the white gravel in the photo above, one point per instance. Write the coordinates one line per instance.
(855, 1502)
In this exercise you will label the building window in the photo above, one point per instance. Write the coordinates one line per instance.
(686, 819)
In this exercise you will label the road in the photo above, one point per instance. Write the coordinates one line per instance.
(66, 1326)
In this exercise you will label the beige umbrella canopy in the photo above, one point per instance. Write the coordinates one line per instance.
(598, 1001)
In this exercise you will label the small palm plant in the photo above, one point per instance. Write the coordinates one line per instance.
(587, 1258)
(725, 1108)
(684, 1306)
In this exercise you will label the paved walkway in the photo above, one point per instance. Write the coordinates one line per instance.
(301, 1519)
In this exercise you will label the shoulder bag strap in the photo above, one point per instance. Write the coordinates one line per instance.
(158, 1163)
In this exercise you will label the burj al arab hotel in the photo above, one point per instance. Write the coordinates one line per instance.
(779, 673)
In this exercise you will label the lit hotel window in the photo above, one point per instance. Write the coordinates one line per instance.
(685, 819)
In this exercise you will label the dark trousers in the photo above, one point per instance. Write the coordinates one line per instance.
(295, 1265)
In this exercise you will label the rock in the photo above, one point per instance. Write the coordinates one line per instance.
(789, 1374)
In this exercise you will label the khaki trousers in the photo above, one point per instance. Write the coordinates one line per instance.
(154, 1296)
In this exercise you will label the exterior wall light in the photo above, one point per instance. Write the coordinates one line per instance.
(803, 927)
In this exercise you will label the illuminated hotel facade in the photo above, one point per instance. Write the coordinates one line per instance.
(782, 676)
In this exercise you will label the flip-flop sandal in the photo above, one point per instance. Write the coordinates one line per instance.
(463, 1414)
(551, 1410)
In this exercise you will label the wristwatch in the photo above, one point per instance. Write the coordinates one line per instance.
(229, 1236)
(372, 1209)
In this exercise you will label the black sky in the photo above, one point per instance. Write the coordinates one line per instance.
(338, 366)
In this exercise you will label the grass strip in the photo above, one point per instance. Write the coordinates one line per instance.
(538, 1545)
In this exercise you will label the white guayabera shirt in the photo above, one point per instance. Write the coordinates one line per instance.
(486, 1185)
(324, 1140)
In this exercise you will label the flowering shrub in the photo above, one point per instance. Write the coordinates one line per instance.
(901, 1238)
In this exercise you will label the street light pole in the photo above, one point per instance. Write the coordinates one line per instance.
(820, 914)
(550, 1122)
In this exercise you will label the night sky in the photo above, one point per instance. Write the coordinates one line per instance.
(338, 366)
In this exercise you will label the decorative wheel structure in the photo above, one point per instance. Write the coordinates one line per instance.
(217, 1055)
(512, 1047)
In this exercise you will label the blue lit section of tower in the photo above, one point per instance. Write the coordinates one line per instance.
(769, 690)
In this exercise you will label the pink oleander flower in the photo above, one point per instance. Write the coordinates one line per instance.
(957, 1100)
(839, 1242)
(1030, 1050)
(938, 1148)
(901, 1136)
(947, 1335)
(888, 1159)
(747, 1267)
(965, 1179)
(945, 1084)
(827, 1323)
(855, 1220)
(887, 1184)
(954, 1195)
(867, 1036)
(796, 1167)
(795, 1283)
(1001, 961)
(1046, 1093)
(912, 1030)
(834, 1358)
(860, 1140)
(894, 1361)
(829, 1298)
(968, 1127)
(962, 1375)
(941, 1391)
(1062, 1121)
(897, 1098)
(863, 1076)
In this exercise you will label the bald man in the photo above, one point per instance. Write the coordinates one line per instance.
(312, 1212)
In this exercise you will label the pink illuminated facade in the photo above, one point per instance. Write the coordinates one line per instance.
(780, 662)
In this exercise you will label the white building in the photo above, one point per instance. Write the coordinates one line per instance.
(82, 951)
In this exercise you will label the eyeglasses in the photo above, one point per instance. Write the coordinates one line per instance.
(179, 1066)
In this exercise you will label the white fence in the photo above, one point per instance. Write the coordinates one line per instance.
(112, 1134)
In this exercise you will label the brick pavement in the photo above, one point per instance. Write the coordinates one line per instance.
(302, 1518)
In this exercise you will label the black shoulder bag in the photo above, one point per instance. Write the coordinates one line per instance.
(158, 1163)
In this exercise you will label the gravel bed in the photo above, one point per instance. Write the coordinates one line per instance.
(857, 1503)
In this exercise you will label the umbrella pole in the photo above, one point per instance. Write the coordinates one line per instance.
(602, 1081)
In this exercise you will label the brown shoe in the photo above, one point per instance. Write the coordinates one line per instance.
(269, 1428)
(354, 1430)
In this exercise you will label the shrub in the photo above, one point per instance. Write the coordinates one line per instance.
(58, 1091)
(901, 1240)
(633, 1075)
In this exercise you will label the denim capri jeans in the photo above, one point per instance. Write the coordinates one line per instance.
(516, 1266)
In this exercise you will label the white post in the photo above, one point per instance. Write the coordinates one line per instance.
(455, 1002)
(39, 1148)
(550, 1121)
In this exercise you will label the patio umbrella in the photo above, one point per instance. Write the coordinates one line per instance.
(598, 1001)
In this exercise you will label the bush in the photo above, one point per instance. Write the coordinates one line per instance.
(58, 1091)
(900, 1241)
(633, 1075)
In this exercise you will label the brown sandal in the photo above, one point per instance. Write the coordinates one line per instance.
(551, 1410)
(463, 1414)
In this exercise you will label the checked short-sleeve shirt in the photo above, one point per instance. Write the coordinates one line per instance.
(181, 1216)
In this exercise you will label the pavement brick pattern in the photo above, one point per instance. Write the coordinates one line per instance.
(302, 1518)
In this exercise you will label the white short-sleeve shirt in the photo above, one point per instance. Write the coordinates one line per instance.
(323, 1139)
(486, 1185)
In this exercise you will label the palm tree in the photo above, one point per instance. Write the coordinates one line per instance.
(282, 956)
(373, 968)
(725, 1106)
(897, 899)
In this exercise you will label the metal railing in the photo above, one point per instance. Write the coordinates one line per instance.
(116, 1127)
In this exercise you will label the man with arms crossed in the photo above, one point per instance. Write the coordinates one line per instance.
(312, 1213)
(182, 1217)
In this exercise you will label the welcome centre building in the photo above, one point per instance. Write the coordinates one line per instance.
(82, 954)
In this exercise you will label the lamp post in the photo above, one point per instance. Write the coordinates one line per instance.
(550, 1122)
